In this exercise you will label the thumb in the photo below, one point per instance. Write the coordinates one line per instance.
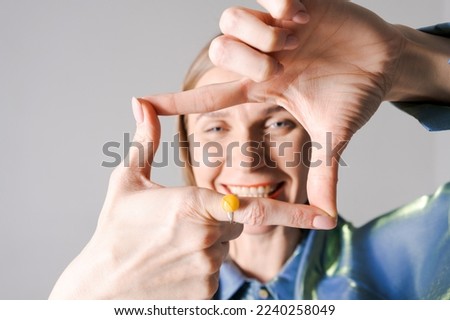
(146, 139)
(323, 172)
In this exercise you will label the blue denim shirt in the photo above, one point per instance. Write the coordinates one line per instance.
(236, 286)
(377, 261)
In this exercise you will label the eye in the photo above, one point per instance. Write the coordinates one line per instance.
(281, 124)
(215, 129)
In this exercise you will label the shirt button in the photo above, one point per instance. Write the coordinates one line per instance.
(263, 293)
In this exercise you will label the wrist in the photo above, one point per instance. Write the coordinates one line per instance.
(423, 70)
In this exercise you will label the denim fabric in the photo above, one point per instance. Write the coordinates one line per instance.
(404, 254)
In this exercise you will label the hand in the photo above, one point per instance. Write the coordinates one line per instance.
(333, 81)
(153, 242)
(338, 67)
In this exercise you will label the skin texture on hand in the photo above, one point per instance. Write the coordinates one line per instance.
(331, 70)
(154, 242)
(328, 82)
(146, 247)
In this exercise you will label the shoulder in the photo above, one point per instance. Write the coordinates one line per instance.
(409, 247)
(427, 213)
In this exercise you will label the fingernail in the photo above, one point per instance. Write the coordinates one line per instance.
(292, 42)
(301, 17)
(324, 223)
(137, 110)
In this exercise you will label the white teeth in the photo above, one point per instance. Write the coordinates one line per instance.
(260, 191)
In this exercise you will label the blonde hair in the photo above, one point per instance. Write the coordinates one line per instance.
(198, 68)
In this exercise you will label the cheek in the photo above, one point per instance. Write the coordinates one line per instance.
(202, 177)
(291, 157)
(209, 153)
(291, 154)
(206, 163)
(292, 161)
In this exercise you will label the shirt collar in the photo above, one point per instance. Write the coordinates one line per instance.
(230, 280)
(281, 287)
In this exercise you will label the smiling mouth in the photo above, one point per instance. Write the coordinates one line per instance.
(256, 191)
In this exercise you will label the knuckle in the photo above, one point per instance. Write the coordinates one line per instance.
(190, 200)
(212, 285)
(282, 9)
(260, 76)
(191, 194)
(140, 138)
(117, 175)
(229, 19)
(299, 219)
(267, 68)
(203, 198)
(208, 263)
(123, 178)
(274, 40)
(194, 208)
(278, 11)
(256, 213)
(217, 50)
(209, 239)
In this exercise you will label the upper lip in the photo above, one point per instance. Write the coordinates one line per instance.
(273, 186)
(263, 184)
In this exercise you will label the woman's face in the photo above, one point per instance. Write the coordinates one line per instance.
(251, 150)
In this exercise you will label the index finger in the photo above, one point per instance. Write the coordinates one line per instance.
(204, 99)
(265, 211)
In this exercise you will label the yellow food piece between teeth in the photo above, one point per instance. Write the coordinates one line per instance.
(230, 203)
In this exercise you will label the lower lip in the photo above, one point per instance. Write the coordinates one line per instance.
(277, 192)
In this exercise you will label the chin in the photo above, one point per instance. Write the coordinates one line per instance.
(257, 230)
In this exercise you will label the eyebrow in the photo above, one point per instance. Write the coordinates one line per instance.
(224, 113)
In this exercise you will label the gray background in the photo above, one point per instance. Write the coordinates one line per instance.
(67, 72)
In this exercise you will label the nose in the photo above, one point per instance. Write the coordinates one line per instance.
(246, 153)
